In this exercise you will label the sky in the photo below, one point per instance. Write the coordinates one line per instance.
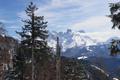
(87, 15)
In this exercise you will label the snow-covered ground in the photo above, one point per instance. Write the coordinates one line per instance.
(115, 79)
(102, 71)
(82, 57)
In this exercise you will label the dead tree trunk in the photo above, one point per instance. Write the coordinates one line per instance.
(58, 60)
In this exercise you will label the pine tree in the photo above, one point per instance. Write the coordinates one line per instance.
(34, 43)
(73, 69)
(115, 18)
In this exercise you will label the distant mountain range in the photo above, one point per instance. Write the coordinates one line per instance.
(76, 44)
(81, 46)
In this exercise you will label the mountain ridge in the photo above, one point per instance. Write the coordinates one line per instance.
(76, 44)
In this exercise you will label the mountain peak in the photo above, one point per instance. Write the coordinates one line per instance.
(71, 39)
(81, 31)
(69, 30)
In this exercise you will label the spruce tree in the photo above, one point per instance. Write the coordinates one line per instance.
(73, 69)
(115, 18)
(34, 43)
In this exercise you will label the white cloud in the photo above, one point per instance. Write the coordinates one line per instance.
(95, 23)
(6, 21)
(22, 15)
(88, 15)
(103, 36)
(13, 27)
(65, 9)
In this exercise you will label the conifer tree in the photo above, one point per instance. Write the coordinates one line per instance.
(73, 69)
(115, 18)
(34, 43)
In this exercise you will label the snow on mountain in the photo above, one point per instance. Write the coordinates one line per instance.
(82, 57)
(115, 79)
(111, 39)
(110, 65)
(70, 39)
(78, 44)
(101, 70)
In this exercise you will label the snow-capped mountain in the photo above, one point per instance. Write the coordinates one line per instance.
(81, 46)
(70, 39)
(77, 44)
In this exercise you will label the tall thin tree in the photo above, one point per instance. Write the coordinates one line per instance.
(58, 60)
(34, 34)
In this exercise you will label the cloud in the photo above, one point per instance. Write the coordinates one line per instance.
(58, 10)
(13, 27)
(88, 15)
(6, 21)
(103, 36)
(95, 23)
(22, 15)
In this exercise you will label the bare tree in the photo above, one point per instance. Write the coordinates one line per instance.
(58, 60)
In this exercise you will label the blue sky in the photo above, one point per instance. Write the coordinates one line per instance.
(88, 15)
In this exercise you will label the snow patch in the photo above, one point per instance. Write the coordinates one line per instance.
(115, 79)
(82, 57)
(99, 69)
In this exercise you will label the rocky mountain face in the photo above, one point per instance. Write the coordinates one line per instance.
(76, 44)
